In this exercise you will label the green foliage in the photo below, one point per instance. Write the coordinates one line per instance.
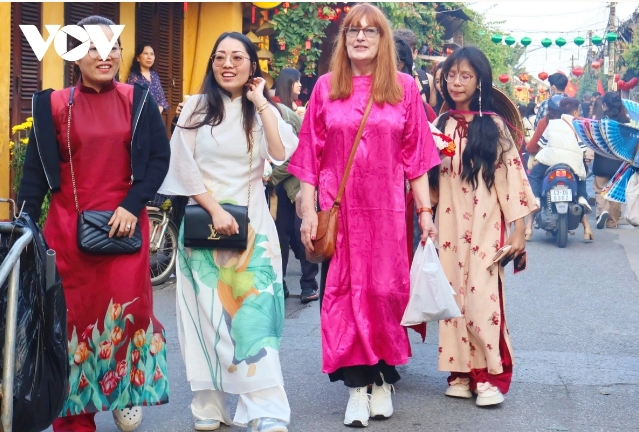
(294, 26)
(631, 56)
(418, 17)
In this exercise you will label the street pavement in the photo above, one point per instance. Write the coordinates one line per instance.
(573, 320)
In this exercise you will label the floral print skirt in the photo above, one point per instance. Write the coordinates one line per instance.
(117, 349)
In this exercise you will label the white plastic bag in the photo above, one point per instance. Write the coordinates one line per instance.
(632, 200)
(431, 296)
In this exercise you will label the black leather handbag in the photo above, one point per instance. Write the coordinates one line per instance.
(200, 233)
(93, 229)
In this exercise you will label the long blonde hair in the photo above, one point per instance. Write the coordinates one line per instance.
(386, 87)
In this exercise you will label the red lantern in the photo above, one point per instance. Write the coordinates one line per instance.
(577, 71)
(308, 44)
(347, 9)
(524, 78)
(543, 76)
(596, 65)
(531, 90)
(504, 78)
(338, 10)
(286, 5)
(519, 88)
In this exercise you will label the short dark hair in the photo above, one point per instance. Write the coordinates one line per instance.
(408, 35)
(559, 80)
(596, 94)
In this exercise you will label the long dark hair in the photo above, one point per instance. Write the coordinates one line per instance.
(135, 66)
(615, 109)
(483, 148)
(597, 108)
(284, 85)
(213, 107)
(74, 43)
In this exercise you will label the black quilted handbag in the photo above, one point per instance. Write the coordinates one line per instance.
(93, 235)
(93, 225)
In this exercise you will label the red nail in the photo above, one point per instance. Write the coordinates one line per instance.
(423, 243)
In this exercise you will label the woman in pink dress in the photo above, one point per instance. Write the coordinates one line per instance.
(367, 285)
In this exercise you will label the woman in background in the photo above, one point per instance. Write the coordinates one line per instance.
(143, 72)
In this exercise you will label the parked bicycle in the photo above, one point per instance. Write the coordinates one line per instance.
(163, 239)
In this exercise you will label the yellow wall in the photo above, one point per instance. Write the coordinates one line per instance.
(52, 64)
(127, 39)
(5, 72)
(203, 24)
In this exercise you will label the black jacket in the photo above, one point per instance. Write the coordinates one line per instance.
(150, 154)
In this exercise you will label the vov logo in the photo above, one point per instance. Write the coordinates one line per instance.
(57, 35)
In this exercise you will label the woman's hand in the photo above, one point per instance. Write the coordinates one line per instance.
(309, 228)
(517, 240)
(255, 91)
(224, 223)
(122, 223)
(427, 226)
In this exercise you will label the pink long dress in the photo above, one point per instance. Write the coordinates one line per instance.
(367, 286)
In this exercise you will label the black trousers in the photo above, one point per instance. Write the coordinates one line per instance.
(362, 375)
(288, 230)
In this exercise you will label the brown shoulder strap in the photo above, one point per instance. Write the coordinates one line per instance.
(342, 186)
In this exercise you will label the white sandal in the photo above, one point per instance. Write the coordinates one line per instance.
(128, 419)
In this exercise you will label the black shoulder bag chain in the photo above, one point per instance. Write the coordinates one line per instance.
(93, 228)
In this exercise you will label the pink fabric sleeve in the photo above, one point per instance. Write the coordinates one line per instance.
(305, 162)
(419, 152)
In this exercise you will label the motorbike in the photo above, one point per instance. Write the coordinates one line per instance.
(560, 212)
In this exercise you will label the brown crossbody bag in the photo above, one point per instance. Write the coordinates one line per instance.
(326, 235)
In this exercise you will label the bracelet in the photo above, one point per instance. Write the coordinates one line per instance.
(262, 107)
(425, 210)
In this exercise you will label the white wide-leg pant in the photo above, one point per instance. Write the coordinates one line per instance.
(270, 402)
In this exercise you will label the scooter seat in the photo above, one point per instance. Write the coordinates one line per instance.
(558, 167)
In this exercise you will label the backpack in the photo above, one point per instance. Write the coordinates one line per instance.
(423, 84)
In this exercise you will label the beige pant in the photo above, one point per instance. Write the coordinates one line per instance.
(613, 208)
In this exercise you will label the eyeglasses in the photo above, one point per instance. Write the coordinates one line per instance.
(237, 60)
(369, 32)
(115, 52)
(464, 79)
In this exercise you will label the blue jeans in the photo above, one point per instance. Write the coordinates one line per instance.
(536, 178)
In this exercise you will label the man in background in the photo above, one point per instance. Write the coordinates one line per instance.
(558, 83)
(425, 81)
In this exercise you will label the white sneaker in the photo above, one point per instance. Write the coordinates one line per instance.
(459, 388)
(584, 203)
(488, 394)
(128, 419)
(207, 425)
(381, 402)
(358, 409)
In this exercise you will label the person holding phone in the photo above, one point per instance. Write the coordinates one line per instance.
(482, 190)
